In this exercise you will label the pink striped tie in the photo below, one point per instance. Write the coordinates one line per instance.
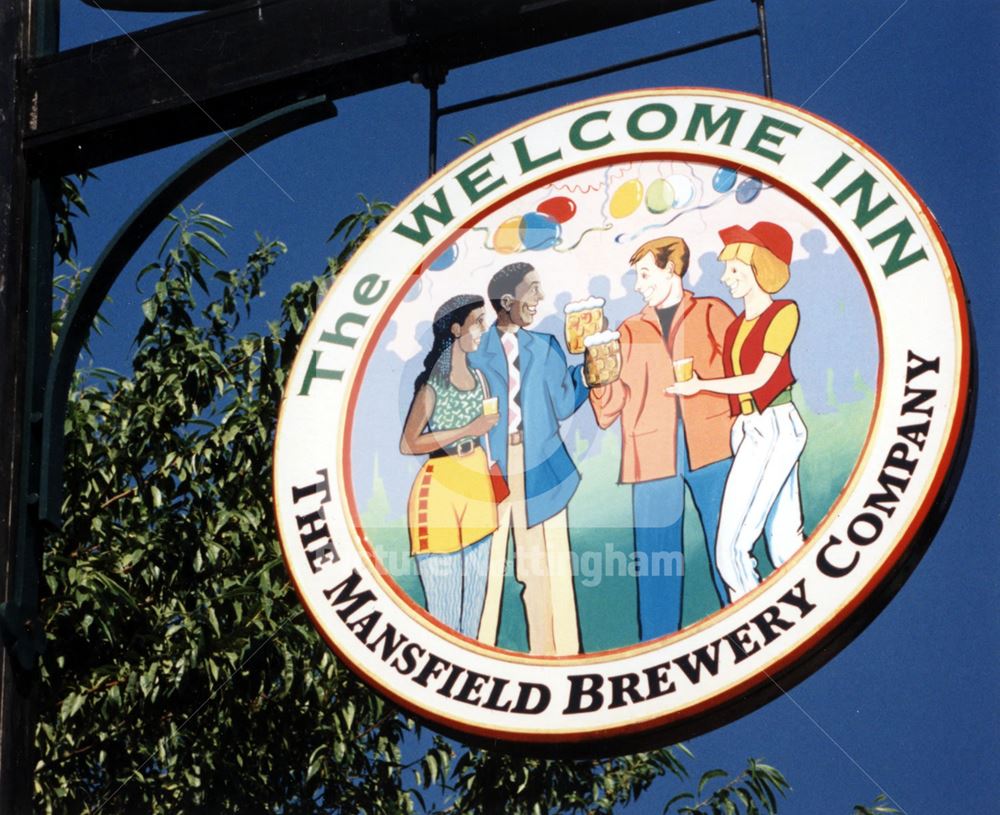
(509, 342)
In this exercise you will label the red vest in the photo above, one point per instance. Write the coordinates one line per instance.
(751, 354)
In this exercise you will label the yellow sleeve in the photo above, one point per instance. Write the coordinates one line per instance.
(781, 331)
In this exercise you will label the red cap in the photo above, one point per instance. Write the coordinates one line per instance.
(771, 236)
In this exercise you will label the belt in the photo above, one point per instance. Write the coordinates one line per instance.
(783, 398)
(462, 448)
(516, 437)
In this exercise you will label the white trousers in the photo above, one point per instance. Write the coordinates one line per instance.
(761, 495)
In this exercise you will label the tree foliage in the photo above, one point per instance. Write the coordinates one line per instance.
(755, 791)
(181, 673)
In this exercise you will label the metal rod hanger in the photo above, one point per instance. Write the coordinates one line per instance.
(435, 116)
(597, 72)
(765, 54)
(437, 112)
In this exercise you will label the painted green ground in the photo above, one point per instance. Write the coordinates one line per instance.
(601, 533)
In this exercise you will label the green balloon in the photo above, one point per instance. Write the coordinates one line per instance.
(659, 196)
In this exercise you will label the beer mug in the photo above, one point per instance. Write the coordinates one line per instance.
(584, 318)
(603, 363)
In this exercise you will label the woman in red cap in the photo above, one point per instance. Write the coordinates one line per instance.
(768, 436)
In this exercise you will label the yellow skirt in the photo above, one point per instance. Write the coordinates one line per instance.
(451, 504)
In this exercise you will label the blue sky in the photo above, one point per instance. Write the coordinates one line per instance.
(909, 708)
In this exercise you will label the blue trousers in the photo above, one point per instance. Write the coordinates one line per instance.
(658, 520)
(455, 585)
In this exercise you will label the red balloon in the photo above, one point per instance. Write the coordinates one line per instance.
(560, 209)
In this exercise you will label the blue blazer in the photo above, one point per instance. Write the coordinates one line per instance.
(551, 391)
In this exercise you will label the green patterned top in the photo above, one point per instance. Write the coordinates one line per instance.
(454, 408)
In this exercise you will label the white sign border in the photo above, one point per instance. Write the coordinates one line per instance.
(840, 619)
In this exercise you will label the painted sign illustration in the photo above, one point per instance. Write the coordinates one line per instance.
(622, 419)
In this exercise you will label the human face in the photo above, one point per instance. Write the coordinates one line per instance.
(469, 334)
(523, 304)
(739, 277)
(657, 286)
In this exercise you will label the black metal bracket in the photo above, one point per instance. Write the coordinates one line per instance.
(119, 252)
(20, 629)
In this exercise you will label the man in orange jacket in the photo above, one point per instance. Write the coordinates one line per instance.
(668, 442)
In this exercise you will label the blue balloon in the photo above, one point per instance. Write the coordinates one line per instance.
(414, 291)
(539, 231)
(724, 179)
(445, 259)
(748, 189)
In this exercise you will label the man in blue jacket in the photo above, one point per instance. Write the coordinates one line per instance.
(535, 389)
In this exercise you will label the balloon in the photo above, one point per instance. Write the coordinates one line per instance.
(539, 231)
(659, 196)
(724, 179)
(683, 190)
(507, 238)
(626, 199)
(414, 291)
(445, 259)
(748, 189)
(560, 209)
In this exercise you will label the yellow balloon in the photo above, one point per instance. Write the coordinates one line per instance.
(507, 238)
(626, 199)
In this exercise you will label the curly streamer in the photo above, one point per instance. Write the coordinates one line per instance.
(604, 228)
(486, 239)
(583, 189)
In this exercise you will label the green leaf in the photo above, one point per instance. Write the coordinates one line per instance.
(213, 620)
(683, 796)
(708, 776)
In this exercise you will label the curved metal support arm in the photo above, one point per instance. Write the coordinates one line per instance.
(119, 252)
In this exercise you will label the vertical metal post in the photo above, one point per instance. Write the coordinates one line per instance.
(765, 54)
(26, 27)
(15, 689)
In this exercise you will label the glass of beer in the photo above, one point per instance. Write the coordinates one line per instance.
(683, 369)
(603, 363)
(490, 406)
(584, 318)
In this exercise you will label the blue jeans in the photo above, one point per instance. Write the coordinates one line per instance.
(658, 520)
(455, 585)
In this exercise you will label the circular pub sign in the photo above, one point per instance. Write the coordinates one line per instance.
(625, 420)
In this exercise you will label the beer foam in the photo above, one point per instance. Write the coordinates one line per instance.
(601, 338)
(583, 305)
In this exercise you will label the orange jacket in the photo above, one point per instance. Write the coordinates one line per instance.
(648, 415)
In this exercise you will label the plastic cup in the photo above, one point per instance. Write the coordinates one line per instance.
(683, 369)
